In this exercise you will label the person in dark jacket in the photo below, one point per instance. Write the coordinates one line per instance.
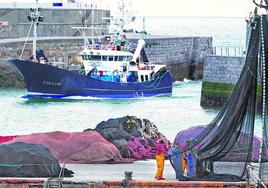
(175, 154)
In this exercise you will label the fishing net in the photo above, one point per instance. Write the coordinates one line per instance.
(28, 160)
(225, 146)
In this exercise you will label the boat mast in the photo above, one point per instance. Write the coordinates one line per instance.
(35, 32)
(35, 17)
(92, 29)
(125, 17)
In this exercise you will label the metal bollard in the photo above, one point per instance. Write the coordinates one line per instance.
(128, 175)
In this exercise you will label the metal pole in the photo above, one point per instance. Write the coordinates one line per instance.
(92, 22)
(234, 51)
(35, 21)
(34, 39)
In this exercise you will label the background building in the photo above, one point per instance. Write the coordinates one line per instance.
(59, 19)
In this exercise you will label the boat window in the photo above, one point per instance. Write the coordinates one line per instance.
(84, 57)
(146, 77)
(116, 58)
(121, 58)
(88, 57)
(104, 58)
(111, 58)
(129, 58)
(135, 76)
(96, 57)
(142, 78)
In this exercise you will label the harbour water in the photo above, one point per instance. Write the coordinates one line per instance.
(226, 31)
(171, 114)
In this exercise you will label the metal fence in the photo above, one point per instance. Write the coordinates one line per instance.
(229, 50)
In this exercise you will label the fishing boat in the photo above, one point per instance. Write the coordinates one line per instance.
(108, 70)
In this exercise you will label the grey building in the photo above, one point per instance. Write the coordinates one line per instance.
(58, 21)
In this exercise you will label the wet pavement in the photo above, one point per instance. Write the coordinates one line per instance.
(142, 170)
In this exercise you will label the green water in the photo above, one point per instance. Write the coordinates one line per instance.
(171, 114)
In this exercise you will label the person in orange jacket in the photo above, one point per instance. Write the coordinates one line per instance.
(184, 159)
(160, 159)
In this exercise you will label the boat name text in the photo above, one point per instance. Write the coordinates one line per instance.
(51, 83)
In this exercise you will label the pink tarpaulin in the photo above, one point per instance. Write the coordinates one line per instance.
(6, 138)
(75, 147)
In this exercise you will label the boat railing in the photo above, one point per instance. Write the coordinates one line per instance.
(66, 66)
(105, 47)
(149, 67)
(61, 65)
(96, 47)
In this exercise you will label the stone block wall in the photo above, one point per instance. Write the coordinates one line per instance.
(222, 69)
(183, 55)
(178, 49)
(219, 78)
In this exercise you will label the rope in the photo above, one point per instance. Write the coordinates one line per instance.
(52, 168)
(20, 165)
(155, 84)
(252, 73)
(26, 40)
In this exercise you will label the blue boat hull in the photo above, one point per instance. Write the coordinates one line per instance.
(49, 81)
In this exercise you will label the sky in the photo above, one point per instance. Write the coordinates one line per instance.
(227, 8)
(202, 8)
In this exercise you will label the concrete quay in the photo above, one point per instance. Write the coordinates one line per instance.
(112, 176)
(24, 183)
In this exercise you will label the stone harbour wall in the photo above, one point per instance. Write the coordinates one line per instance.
(222, 69)
(183, 55)
(178, 49)
(221, 73)
(7, 76)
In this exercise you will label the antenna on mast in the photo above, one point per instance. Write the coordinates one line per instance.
(124, 18)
